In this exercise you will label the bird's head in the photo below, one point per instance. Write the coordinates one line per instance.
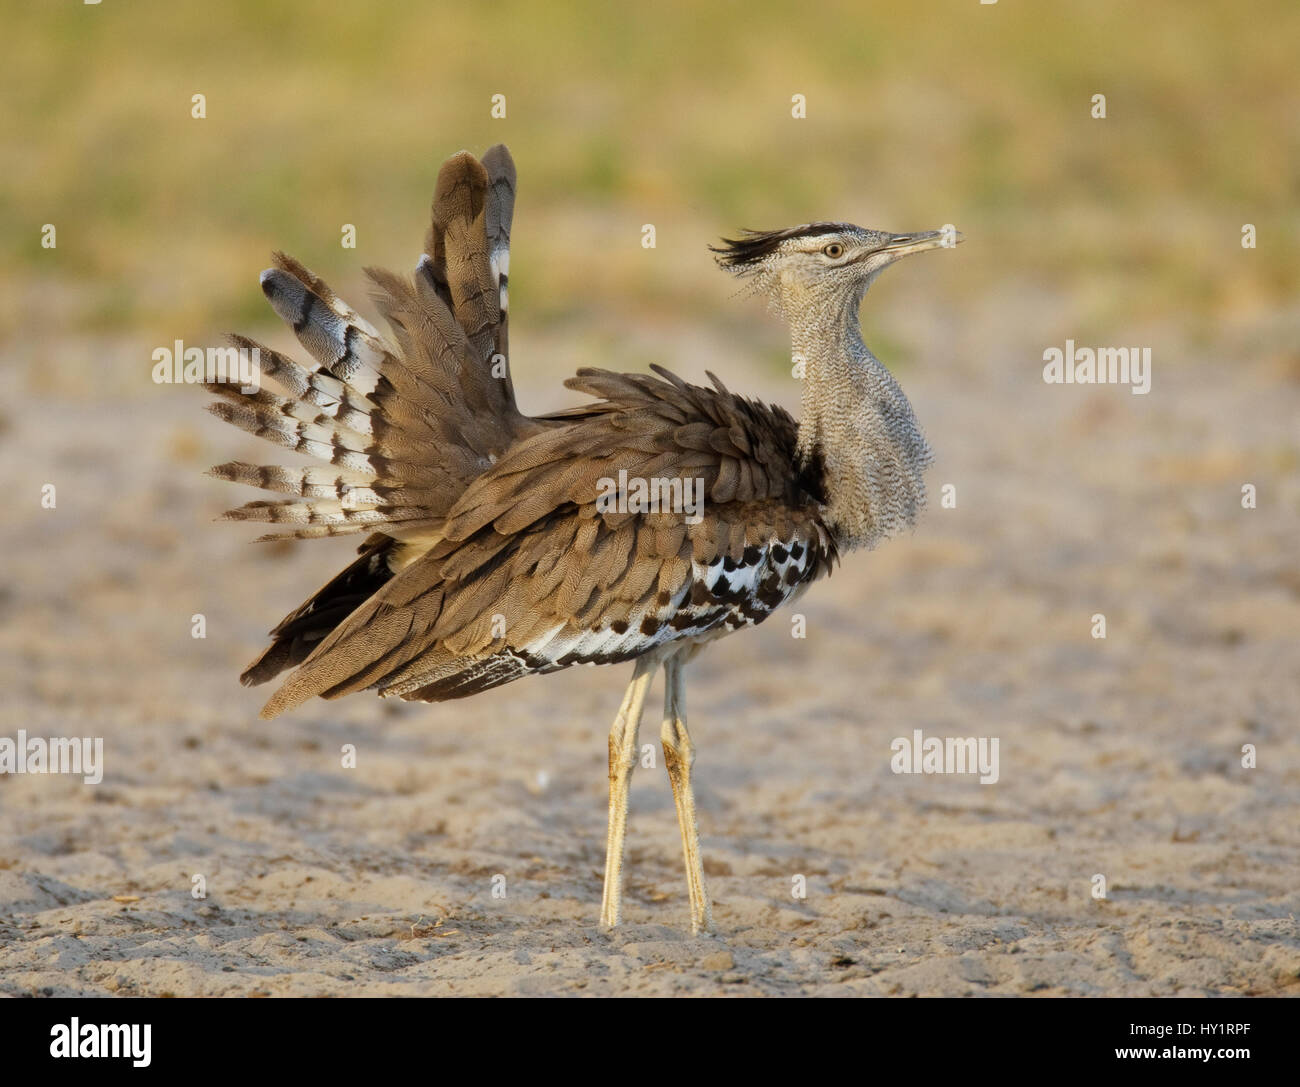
(826, 263)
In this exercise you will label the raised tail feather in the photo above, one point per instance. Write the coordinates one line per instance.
(404, 424)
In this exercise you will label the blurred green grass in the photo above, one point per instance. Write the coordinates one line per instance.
(679, 115)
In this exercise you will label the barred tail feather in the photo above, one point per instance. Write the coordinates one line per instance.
(334, 398)
(402, 422)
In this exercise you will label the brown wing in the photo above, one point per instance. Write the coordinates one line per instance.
(534, 574)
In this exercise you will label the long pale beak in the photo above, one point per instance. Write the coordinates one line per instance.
(900, 245)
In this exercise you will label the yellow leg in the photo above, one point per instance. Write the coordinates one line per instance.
(622, 758)
(679, 757)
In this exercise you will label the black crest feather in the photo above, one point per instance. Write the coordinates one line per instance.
(756, 245)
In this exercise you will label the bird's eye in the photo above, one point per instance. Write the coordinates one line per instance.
(834, 250)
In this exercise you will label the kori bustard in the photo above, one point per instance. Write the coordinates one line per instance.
(502, 545)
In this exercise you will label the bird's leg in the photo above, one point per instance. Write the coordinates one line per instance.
(622, 758)
(679, 756)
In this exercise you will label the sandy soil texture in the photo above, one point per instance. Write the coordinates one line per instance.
(1119, 758)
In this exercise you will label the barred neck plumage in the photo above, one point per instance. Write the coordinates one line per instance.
(858, 425)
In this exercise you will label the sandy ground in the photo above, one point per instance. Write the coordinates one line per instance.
(1118, 757)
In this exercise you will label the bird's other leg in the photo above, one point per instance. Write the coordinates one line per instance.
(622, 758)
(679, 756)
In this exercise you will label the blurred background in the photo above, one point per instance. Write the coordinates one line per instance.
(1120, 756)
(677, 115)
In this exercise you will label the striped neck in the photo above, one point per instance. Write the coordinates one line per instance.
(859, 426)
